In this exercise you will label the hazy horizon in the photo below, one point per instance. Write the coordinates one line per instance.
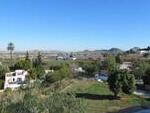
(74, 25)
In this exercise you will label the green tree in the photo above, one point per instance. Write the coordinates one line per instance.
(58, 75)
(115, 83)
(118, 59)
(121, 80)
(146, 77)
(27, 58)
(128, 82)
(89, 67)
(140, 68)
(38, 61)
(21, 64)
(109, 64)
(10, 48)
(3, 70)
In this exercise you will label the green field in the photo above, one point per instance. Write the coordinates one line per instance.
(99, 99)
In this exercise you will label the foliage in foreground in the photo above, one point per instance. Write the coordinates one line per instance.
(33, 101)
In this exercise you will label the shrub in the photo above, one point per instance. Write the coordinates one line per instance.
(146, 78)
(34, 103)
(114, 82)
(128, 83)
(1, 84)
(121, 81)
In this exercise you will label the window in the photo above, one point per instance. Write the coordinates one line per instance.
(19, 79)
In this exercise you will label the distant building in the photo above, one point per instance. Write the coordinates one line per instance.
(15, 79)
(145, 50)
(49, 71)
(126, 65)
(60, 58)
(79, 70)
(73, 58)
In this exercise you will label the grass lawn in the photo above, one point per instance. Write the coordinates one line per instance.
(99, 98)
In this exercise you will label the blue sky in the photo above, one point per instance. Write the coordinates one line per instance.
(74, 24)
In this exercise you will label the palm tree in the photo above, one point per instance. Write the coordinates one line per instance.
(11, 48)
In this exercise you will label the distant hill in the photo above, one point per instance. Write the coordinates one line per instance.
(104, 51)
(115, 51)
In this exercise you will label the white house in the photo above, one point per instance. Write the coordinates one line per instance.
(126, 65)
(15, 79)
(73, 58)
(79, 70)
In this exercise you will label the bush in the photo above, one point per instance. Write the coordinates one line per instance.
(146, 78)
(121, 81)
(1, 84)
(89, 67)
(58, 75)
(114, 82)
(21, 64)
(31, 102)
(3, 70)
(128, 84)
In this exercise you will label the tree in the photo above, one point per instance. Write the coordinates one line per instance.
(114, 82)
(39, 58)
(128, 82)
(37, 67)
(89, 67)
(146, 77)
(3, 70)
(38, 61)
(10, 48)
(140, 69)
(109, 64)
(58, 75)
(21, 64)
(121, 80)
(27, 56)
(118, 59)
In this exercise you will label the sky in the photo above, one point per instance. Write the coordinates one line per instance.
(72, 25)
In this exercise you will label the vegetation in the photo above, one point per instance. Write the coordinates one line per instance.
(140, 68)
(21, 64)
(109, 64)
(32, 100)
(128, 82)
(3, 70)
(58, 75)
(146, 77)
(89, 67)
(115, 83)
(99, 98)
(121, 81)
(118, 59)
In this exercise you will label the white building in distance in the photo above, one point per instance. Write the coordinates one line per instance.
(126, 65)
(15, 79)
(145, 50)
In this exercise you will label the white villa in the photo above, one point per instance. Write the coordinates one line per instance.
(15, 79)
(79, 70)
(126, 65)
